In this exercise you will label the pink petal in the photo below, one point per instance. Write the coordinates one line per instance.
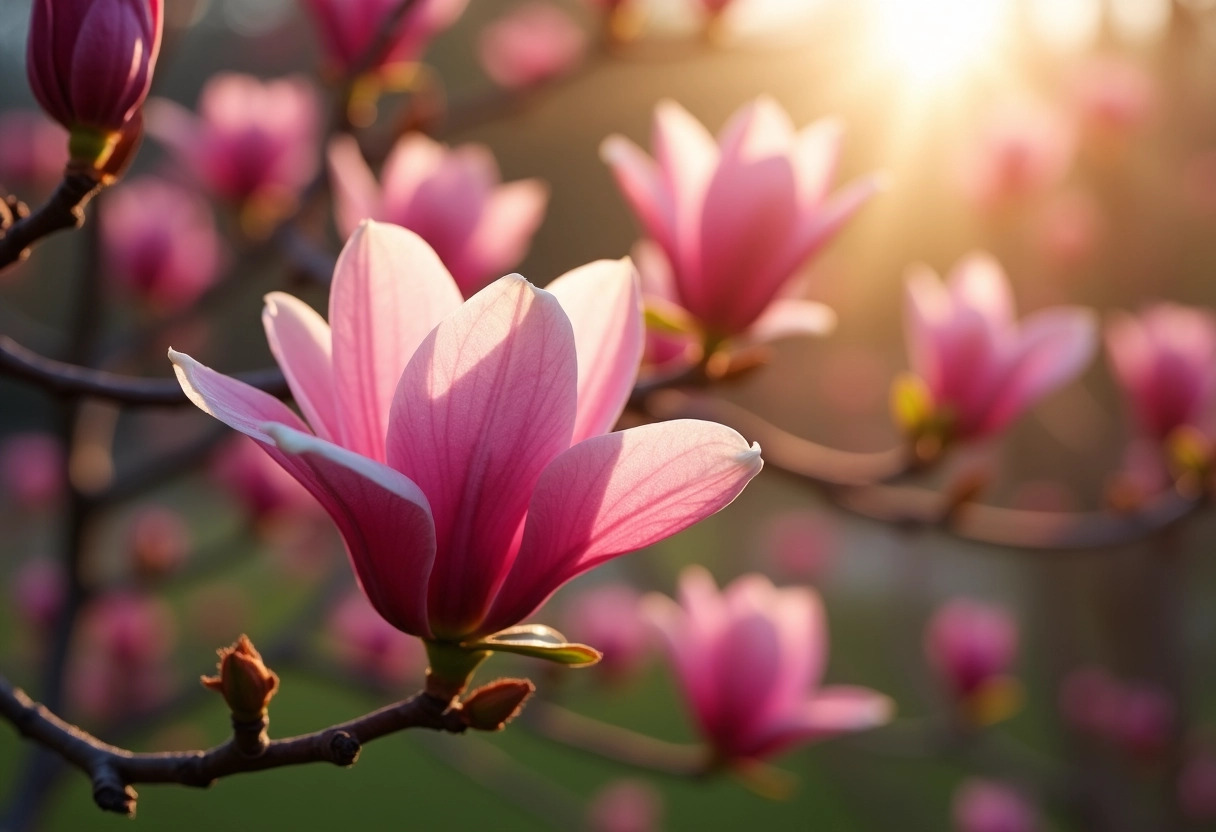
(749, 215)
(759, 130)
(642, 184)
(790, 317)
(802, 626)
(687, 647)
(383, 517)
(816, 155)
(233, 402)
(504, 232)
(835, 710)
(978, 282)
(927, 309)
(389, 291)
(485, 404)
(1055, 345)
(356, 192)
(747, 667)
(615, 493)
(604, 304)
(687, 156)
(300, 342)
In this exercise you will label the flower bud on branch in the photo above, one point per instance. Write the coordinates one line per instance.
(247, 685)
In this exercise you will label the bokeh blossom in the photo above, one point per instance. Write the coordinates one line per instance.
(972, 646)
(348, 29)
(461, 447)
(750, 659)
(738, 217)
(529, 45)
(1165, 361)
(252, 143)
(982, 369)
(609, 616)
(159, 242)
(991, 806)
(451, 197)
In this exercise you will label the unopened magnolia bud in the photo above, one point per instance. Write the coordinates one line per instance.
(491, 707)
(246, 684)
(90, 66)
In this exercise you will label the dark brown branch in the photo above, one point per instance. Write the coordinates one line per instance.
(64, 210)
(66, 379)
(114, 770)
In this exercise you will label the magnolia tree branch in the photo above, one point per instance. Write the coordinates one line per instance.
(113, 771)
(860, 483)
(64, 210)
(65, 379)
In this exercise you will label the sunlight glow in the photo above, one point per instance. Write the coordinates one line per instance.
(935, 42)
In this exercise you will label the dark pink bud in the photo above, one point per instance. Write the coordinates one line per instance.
(970, 644)
(90, 64)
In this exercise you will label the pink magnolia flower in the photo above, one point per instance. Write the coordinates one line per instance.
(800, 544)
(992, 806)
(31, 469)
(1135, 716)
(970, 644)
(252, 140)
(750, 660)
(35, 150)
(737, 218)
(626, 805)
(349, 28)
(159, 242)
(982, 369)
(1165, 361)
(371, 646)
(90, 62)
(450, 197)
(609, 616)
(264, 487)
(1022, 149)
(533, 43)
(460, 448)
(37, 592)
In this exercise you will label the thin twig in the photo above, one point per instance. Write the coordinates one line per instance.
(64, 210)
(114, 770)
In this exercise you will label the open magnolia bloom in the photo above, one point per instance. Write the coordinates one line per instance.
(460, 446)
(737, 218)
(750, 659)
(979, 369)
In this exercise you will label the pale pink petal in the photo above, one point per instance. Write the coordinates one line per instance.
(927, 308)
(356, 193)
(790, 317)
(837, 709)
(512, 214)
(749, 213)
(1055, 345)
(383, 517)
(604, 304)
(413, 159)
(816, 156)
(760, 129)
(233, 402)
(686, 155)
(300, 342)
(483, 407)
(642, 183)
(616, 493)
(802, 626)
(687, 647)
(389, 291)
(978, 282)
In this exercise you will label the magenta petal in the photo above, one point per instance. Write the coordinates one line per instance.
(612, 494)
(300, 342)
(389, 291)
(978, 282)
(483, 407)
(1055, 345)
(687, 645)
(640, 181)
(384, 519)
(604, 304)
(233, 402)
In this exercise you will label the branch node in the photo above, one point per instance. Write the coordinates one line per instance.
(111, 794)
(344, 749)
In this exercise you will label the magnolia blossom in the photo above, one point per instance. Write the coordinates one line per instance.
(1165, 361)
(35, 150)
(1113, 96)
(992, 806)
(610, 617)
(737, 218)
(159, 242)
(1022, 149)
(159, 541)
(265, 489)
(32, 468)
(981, 368)
(370, 646)
(750, 660)
(90, 62)
(1136, 716)
(970, 644)
(460, 447)
(350, 28)
(451, 197)
(533, 43)
(626, 805)
(251, 140)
